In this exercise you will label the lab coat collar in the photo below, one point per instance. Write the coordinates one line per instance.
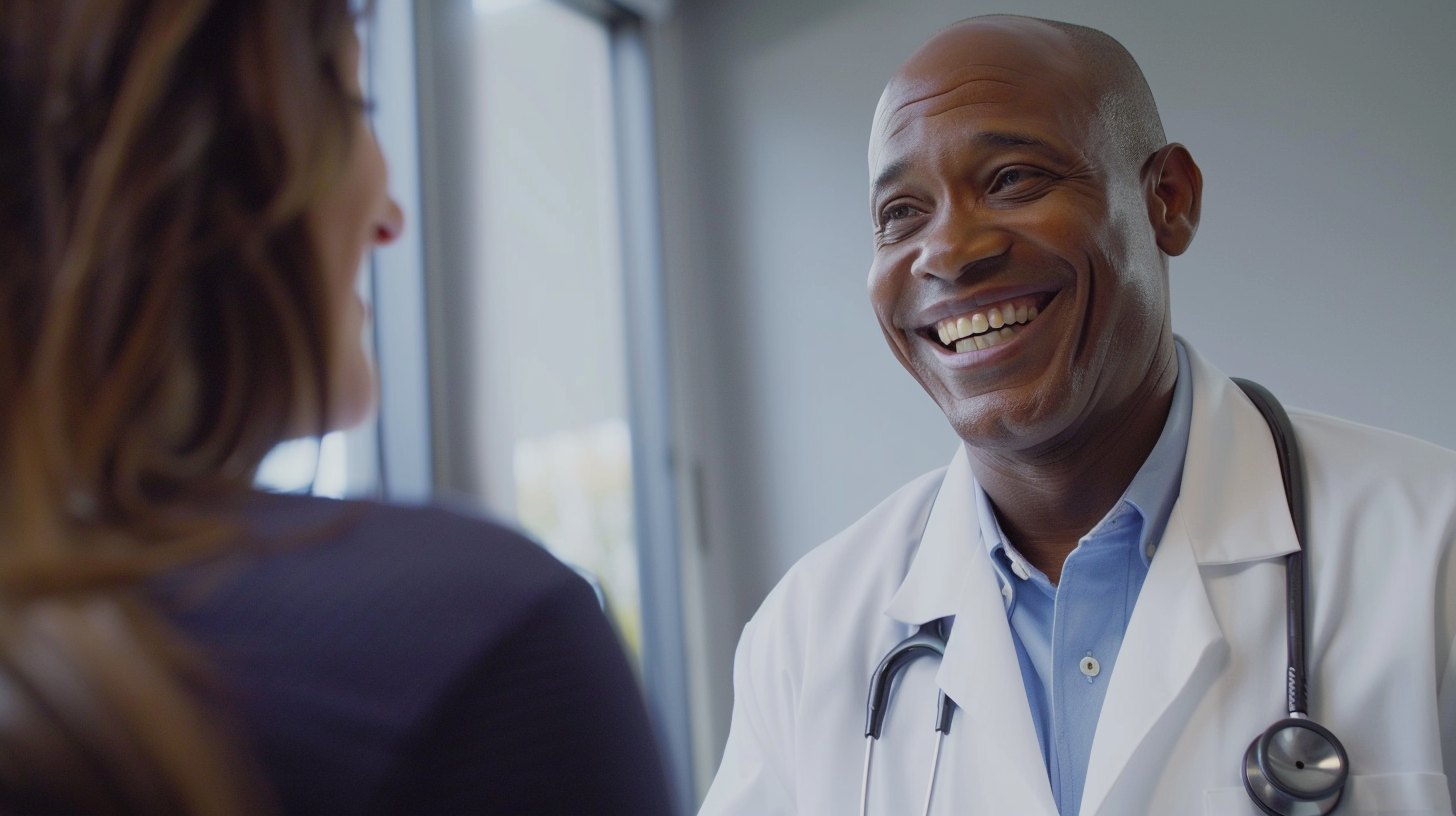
(1233, 505)
(952, 575)
(932, 587)
(1232, 495)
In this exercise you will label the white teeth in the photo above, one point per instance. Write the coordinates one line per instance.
(986, 328)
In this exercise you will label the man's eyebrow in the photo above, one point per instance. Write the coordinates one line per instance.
(1002, 139)
(887, 176)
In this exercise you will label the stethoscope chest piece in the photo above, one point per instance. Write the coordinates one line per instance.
(1296, 768)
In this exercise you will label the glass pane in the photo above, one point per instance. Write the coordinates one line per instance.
(309, 465)
(556, 444)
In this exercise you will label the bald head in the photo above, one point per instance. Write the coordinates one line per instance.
(1097, 70)
(1124, 101)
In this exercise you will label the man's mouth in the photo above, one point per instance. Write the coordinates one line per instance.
(986, 326)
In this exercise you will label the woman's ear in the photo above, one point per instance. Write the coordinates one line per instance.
(1174, 187)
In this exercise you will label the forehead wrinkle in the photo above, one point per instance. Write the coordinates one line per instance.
(955, 75)
(954, 81)
(1070, 88)
(901, 116)
(907, 121)
(965, 73)
(948, 91)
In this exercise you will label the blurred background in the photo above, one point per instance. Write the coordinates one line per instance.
(629, 312)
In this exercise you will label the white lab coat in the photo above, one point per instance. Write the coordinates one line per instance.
(1201, 669)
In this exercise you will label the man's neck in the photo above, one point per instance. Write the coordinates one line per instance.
(1045, 502)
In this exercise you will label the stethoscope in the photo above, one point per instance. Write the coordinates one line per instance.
(1295, 768)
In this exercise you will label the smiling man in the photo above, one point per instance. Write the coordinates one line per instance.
(1104, 563)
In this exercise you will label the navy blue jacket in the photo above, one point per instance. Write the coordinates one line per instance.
(402, 660)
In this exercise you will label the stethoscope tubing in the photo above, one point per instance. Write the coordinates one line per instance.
(934, 767)
(927, 640)
(864, 779)
(1271, 793)
(1291, 470)
(864, 786)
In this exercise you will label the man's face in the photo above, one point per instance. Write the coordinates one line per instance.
(1003, 211)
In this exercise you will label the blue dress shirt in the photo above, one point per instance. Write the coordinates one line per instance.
(1068, 635)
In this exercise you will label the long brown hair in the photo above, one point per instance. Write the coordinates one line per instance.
(163, 323)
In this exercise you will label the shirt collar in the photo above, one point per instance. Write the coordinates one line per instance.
(1152, 492)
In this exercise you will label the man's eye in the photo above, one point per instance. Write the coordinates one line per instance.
(1013, 177)
(899, 212)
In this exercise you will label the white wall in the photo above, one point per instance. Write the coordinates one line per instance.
(1323, 267)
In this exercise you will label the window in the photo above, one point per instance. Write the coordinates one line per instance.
(518, 328)
(549, 349)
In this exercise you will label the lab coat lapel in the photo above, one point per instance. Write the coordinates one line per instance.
(1173, 641)
(952, 574)
(980, 672)
(932, 586)
(1231, 508)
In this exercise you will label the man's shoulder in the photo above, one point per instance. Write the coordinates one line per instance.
(1397, 488)
(1363, 456)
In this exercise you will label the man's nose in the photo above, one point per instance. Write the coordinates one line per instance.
(955, 242)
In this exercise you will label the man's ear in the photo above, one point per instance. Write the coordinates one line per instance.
(1174, 187)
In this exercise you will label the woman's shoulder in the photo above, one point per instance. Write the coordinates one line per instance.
(336, 627)
(376, 547)
(365, 582)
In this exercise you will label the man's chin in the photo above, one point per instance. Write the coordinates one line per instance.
(1006, 420)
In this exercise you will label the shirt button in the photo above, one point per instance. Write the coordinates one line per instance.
(1006, 591)
(1090, 666)
(1150, 549)
(1020, 570)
